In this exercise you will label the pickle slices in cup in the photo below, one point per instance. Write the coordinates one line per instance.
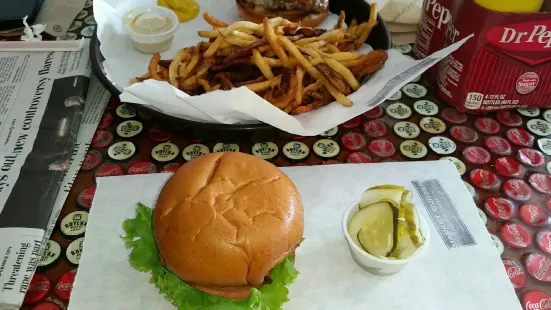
(387, 224)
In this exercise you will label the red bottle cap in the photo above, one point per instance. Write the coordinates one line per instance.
(376, 129)
(515, 273)
(101, 139)
(113, 103)
(352, 123)
(358, 158)
(453, 116)
(548, 204)
(498, 145)
(538, 266)
(484, 179)
(536, 300)
(109, 170)
(142, 167)
(38, 288)
(86, 196)
(171, 167)
(464, 134)
(515, 235)
(375, 112)
(519, 137)
(517, 190)
(354, 141)
(541, 182)
(509, 118)
(487, 125)
(158, 134)
(106, 120)
(91, 160)
(533, 215)
(499, 208)
(382, 148)
(64, 285)
(543, 240)
(46, 305)
(476, 155)
(531, 157)
(508, 167)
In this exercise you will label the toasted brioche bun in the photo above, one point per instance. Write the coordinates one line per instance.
(306, 19)
(224, 220)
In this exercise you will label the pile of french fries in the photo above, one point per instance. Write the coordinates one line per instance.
(294, 68)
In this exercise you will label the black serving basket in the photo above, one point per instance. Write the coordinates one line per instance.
(359, 9)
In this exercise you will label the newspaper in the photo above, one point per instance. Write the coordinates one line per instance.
(41, 108)
(96, 101)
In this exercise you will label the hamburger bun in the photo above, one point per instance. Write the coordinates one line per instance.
(224, 220)
(306, 19)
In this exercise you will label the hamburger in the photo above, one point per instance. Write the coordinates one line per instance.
(309, 12)
(222, 234)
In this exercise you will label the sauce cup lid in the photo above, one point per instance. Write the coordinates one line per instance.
(149, 10)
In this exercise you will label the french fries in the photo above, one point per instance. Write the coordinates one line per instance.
(184, 71)
(342, 70)
(295, 69)
(366, 30)
(213, 21)
(174, 65)
(300, 77)
(340, 22)
(272, 40)
(213, 47)
(341, 98)
(262, 65)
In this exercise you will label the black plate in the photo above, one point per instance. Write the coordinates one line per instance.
(359, 9)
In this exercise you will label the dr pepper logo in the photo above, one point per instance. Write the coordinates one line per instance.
(437, 12)
(531, 37)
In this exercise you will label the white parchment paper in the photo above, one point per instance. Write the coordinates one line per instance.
(240, 105)
(470, 278)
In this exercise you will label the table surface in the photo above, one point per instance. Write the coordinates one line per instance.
(519, 225)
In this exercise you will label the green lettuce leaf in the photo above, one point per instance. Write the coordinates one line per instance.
(144, 257)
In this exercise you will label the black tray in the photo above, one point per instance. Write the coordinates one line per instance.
(359, 9)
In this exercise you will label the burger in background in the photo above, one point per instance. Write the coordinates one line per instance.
(309, 12)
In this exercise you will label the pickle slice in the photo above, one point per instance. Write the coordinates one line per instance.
(377, 222)
(400, 232)
(404, 249)
(391, 193)
(412, 224)
(377, 233)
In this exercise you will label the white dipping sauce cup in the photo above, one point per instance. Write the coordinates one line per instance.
(151, 43)
(373, 264)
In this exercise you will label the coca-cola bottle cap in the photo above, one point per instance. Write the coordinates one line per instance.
(38, 288)
(536, 300)
(533, 215)
(543, 240)
(538, 266)
(515, 273)
(515, 235)
(64, 285)
(46, 305)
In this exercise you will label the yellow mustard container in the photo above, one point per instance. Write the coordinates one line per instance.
(518, 6)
